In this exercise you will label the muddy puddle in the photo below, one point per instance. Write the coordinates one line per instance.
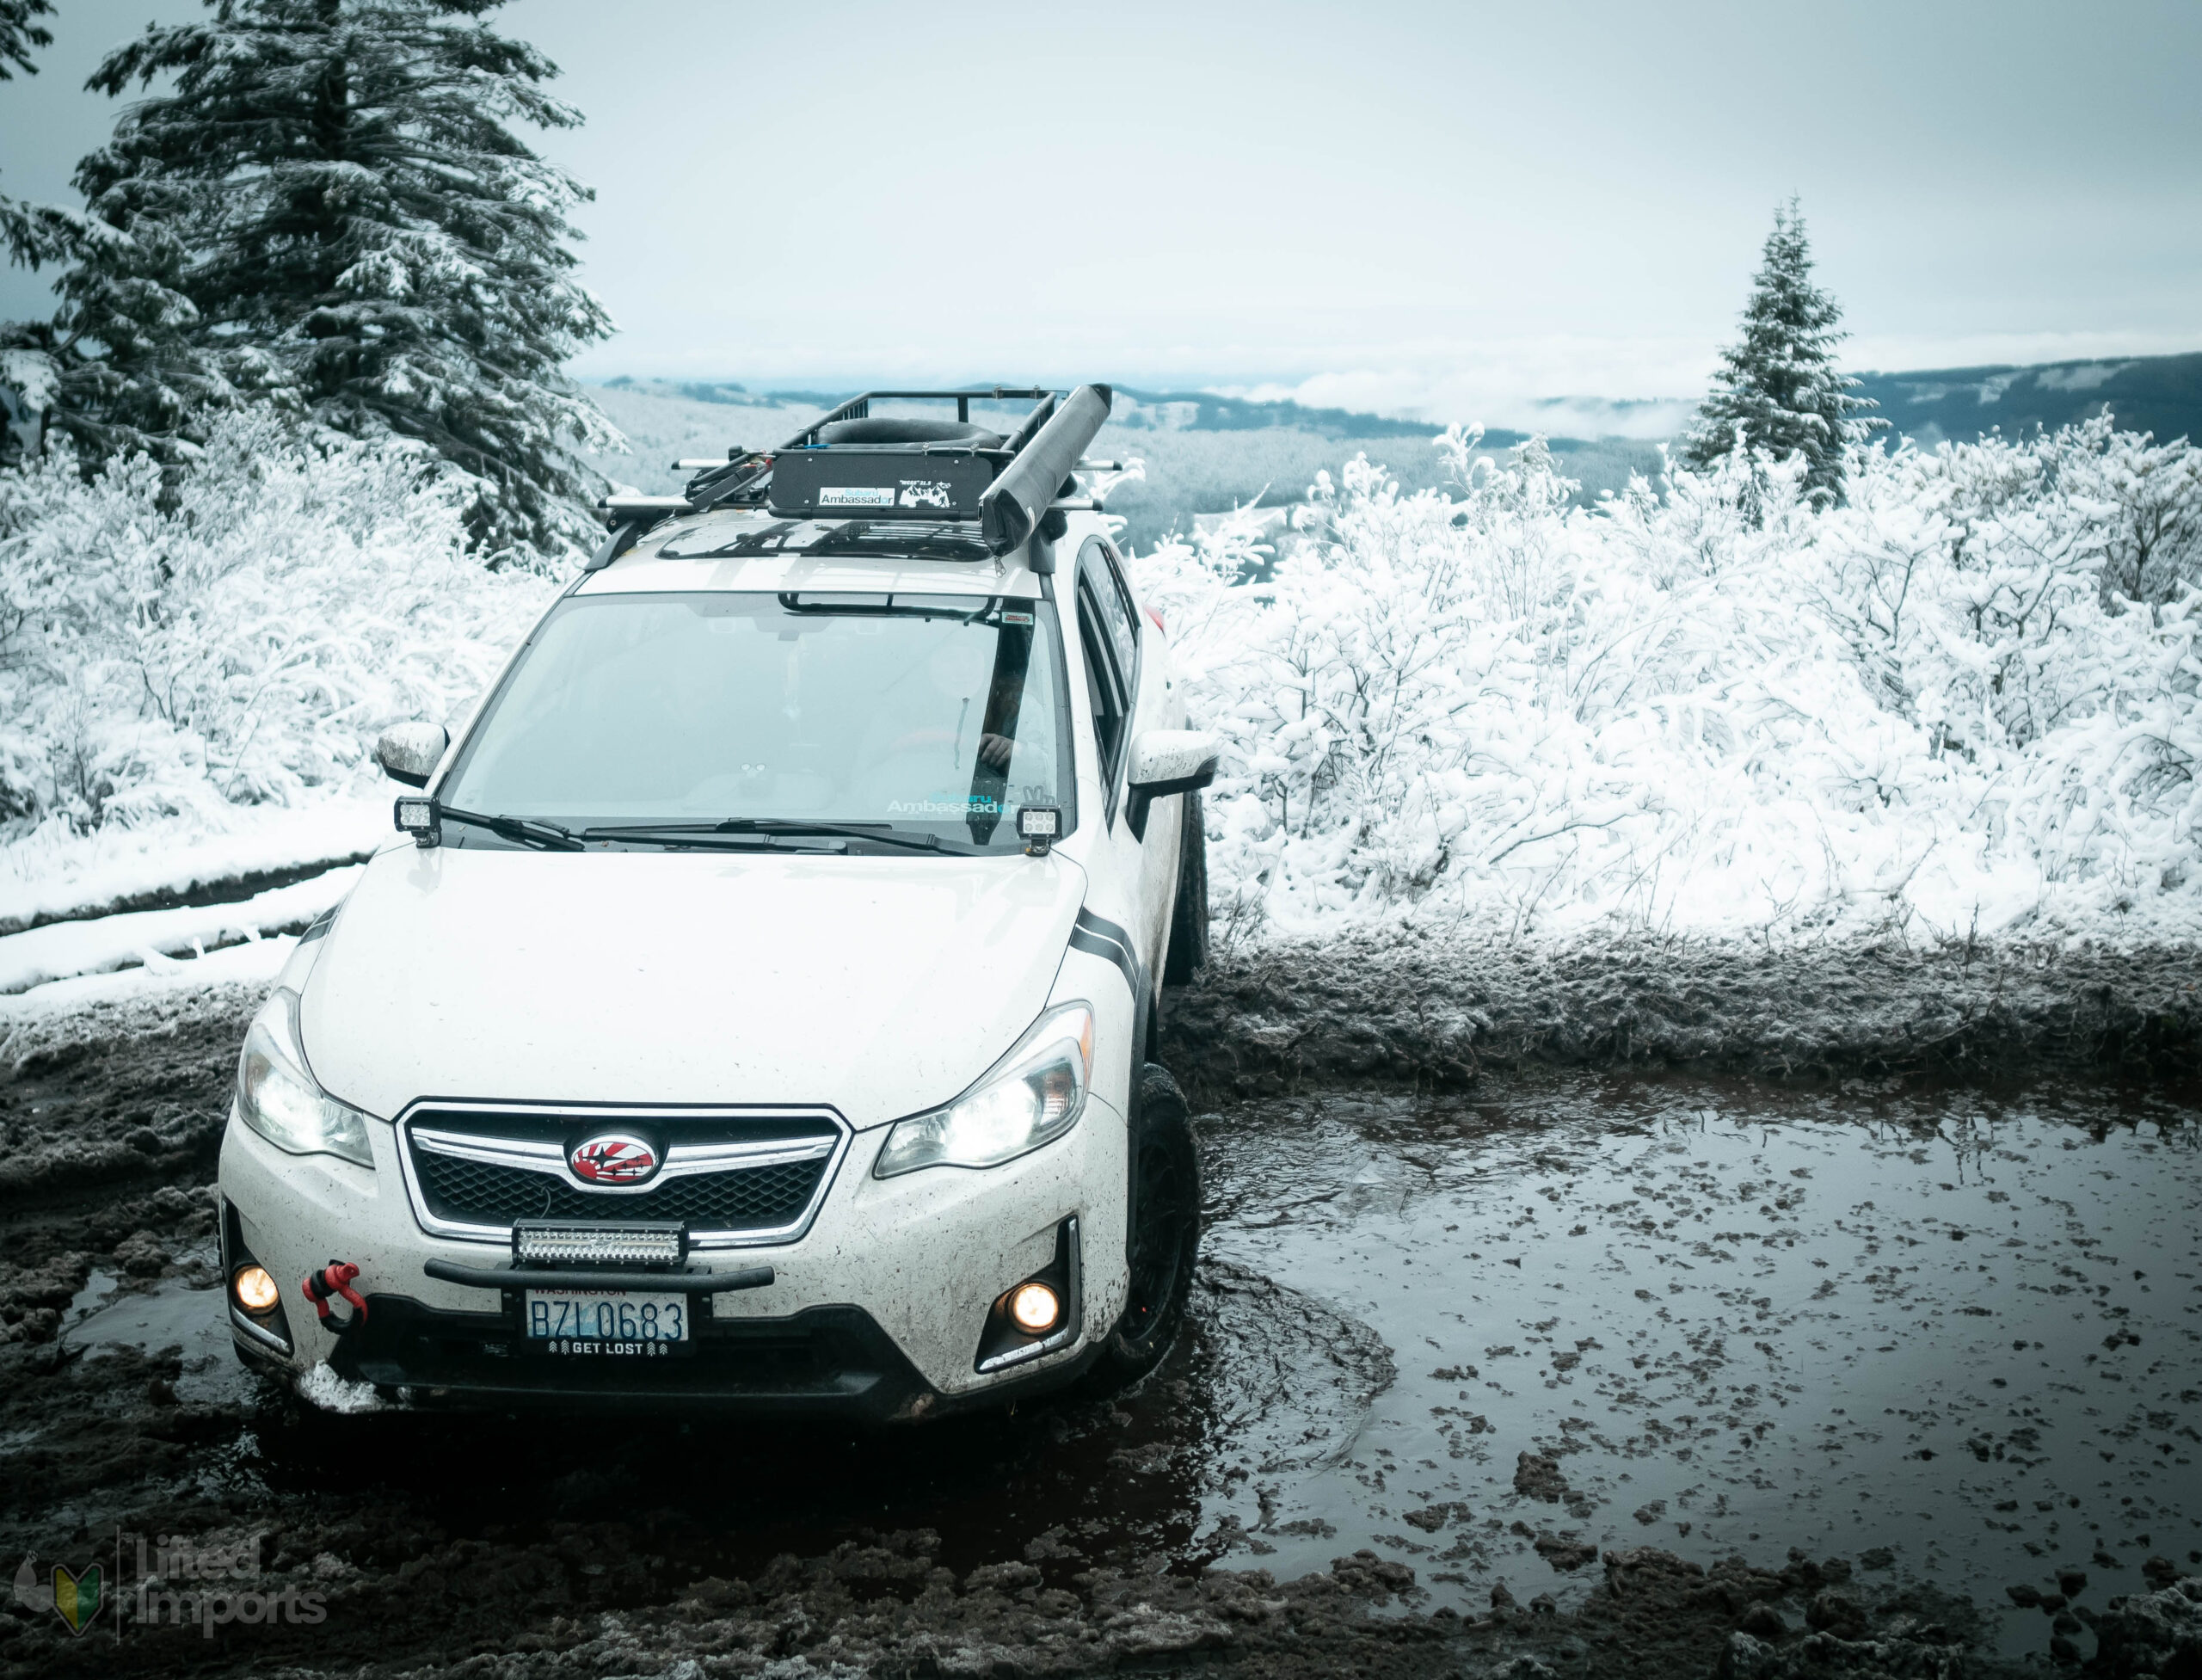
(1953, 1338)
(1948, 1337)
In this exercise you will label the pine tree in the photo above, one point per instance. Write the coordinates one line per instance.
(35, 234)
(25, 227)
(1780, 388)
(18, 35)
(332, 208)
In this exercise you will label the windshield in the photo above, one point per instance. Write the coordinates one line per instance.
(931, 716)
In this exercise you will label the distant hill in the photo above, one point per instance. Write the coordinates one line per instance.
(1205, 453)
(1204, 411)
(2158, 394)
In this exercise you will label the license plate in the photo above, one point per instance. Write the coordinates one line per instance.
(615, 1322)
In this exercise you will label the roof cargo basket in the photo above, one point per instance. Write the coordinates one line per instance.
(859, 408)
(852, 463)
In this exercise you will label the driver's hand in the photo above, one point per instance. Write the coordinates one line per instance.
(994, 750)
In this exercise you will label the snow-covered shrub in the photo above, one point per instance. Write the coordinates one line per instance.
(235, 638)
(1704, 706)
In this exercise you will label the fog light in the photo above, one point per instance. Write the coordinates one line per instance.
(255, 1289)
(1034, 1309)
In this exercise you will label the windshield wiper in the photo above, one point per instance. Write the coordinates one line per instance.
(702, 837)
(769, 827)
(543, 836)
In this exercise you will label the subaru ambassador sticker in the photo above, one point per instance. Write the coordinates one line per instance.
(855, 496)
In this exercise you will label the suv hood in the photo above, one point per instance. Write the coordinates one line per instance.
(880, 986)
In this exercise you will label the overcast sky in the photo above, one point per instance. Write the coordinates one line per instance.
(1449, 207)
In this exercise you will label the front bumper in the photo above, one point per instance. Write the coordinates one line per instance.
(876, 1312)
(827, 1362)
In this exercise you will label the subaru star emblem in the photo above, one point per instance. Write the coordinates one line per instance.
(612, 1158)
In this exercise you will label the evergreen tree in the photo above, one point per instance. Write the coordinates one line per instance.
(18, 35)
(332, 208)
(27, 228)
(1780, 388)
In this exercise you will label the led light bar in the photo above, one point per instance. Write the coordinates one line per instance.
(580, 1243)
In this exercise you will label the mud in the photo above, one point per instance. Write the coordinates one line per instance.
(1415, 1004)
(1423, 1423)
(1944, 1333)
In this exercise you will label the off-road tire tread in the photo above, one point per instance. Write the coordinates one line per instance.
(1161, 1114)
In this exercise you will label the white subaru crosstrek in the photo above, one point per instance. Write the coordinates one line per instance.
(757, 1006)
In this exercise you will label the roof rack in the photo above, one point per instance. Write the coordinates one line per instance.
(1014, 488)
(859, 408)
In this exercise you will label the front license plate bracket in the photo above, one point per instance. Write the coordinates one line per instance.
(617, 1324)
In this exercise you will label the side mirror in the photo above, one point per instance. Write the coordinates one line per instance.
(1166, 761)
(409, 752)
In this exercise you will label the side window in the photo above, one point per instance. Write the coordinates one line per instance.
(1104, 685)
(1099, 564)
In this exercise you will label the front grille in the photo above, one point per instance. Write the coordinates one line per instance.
(757, 1198)
(729, 1176)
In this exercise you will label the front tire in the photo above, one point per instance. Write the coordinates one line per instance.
(1163, 1235)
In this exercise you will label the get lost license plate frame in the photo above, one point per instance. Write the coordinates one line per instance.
(631, 1324)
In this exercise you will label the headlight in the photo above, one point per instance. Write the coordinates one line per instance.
(278, 1098)
(1034, 1095)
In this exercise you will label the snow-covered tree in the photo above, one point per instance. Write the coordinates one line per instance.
(24, 226)
(235, 628)
(1779, 389)
(1710, 705)
(332, 205)
(18, 35)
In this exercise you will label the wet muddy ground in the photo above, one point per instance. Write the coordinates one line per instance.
(1956, 1337)
(1573, 1374)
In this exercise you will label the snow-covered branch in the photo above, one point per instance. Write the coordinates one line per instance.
(1709, 704)
(238, 635)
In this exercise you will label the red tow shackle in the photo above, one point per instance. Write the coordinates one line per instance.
(335, 1279)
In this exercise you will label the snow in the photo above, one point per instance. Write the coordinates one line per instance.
(191, 683)
(54, 872)
(1962, 704)
(323, 1388)
(1928, 713)
(142, 1001)
(30, 373)
(62, 950)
